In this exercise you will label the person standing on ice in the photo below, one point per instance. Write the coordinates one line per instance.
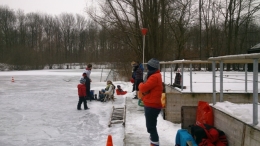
(82, 94)
(87, 72)
(138, 76)
(151, 90)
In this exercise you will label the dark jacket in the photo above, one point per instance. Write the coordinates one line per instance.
(138, 73)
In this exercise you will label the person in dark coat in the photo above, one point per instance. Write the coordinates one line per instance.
(86, 75)
(177, 80)
(138, 76)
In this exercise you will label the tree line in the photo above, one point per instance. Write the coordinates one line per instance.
(34, 40)
(177, 29)
(182, 29)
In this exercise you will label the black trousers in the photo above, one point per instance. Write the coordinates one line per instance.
(84, 101)
(151, 115)
(133, 87)
(137, 82)
(87, 83)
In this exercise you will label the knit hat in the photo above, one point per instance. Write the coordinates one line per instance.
(82, 80)
(118, 86)
(153, 64)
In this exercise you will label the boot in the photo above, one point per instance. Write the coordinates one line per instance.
(79, 106)
(86, 107)
(154, 143)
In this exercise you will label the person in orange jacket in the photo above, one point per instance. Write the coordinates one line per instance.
(151, 90)
(119, 91)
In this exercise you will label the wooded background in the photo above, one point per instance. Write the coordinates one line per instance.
(177, 29)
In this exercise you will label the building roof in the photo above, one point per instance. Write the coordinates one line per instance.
(240, 58)
(257, 46)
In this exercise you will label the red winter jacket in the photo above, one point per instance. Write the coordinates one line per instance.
(153, 90)
(120, 92)
(82, 90)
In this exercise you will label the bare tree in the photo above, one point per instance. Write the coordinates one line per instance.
(49, 41)
(236, 13)
(179, 18)
(80, 42)
(67, 24)
(35, 26)
(7, 25)
(129, 17)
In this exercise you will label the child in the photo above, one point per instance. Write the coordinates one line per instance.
(119, 91)
(82, 94)
(109, 90)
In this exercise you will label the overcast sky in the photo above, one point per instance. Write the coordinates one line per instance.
(54, 7)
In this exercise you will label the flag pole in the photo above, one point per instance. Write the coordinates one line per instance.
(144, 31)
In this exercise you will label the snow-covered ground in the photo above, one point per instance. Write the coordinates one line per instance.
(39, 108)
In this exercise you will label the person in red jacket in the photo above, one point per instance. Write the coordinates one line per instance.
(151, 90)
(119, 91)
(82, 94)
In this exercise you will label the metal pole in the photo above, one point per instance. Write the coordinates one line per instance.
(190, 77)
(246, 77)
(182, 76)
(171, 74)
(164, 73)
(101, 74)
(255, 92)
(214, 81)
(221, 81)
(143, 47)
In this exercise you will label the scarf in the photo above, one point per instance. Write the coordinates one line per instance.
(107, 88)
(149, 73)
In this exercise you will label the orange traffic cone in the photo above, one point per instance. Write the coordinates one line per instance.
(12, 79)
(109, 141)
